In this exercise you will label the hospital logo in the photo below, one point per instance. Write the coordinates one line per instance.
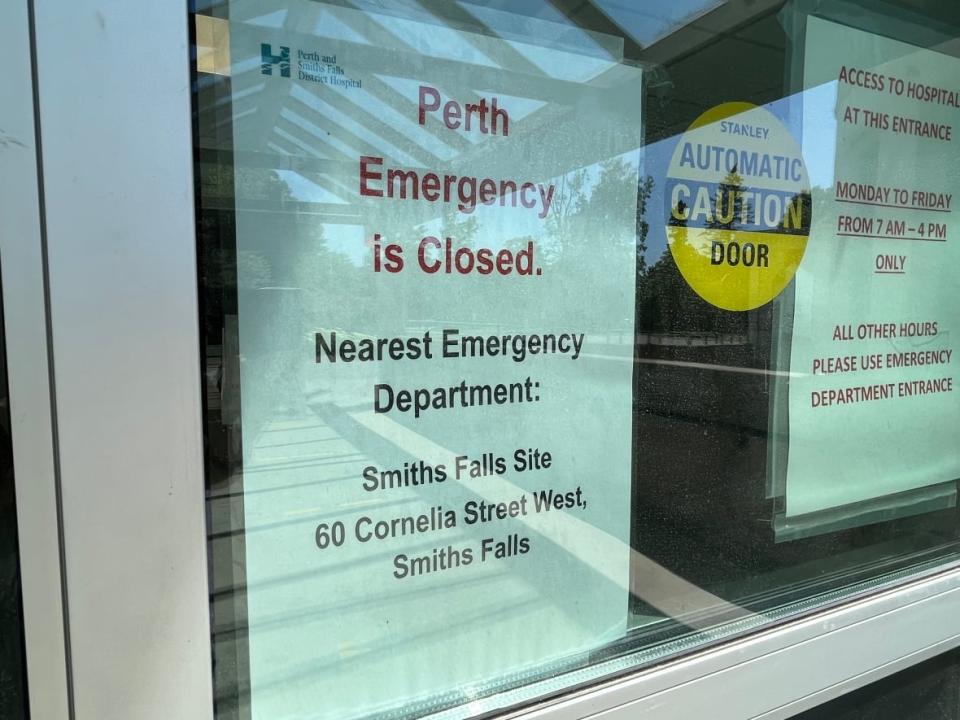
(315, 66)
(268, 60)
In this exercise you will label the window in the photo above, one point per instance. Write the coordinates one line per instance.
(544, 340)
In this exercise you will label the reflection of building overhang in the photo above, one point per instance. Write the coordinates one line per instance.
(728, 23)
(304, 131)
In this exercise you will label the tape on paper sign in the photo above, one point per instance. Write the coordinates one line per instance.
(738, 206)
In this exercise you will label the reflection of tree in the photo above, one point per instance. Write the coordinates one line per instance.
(243, 183)
(409, 296)
(567, 202)
(730, 206)
(666, 301)
(678, 215)
(805, 200)
(463, 228)
(668, 304)
(644, 191)
(588, 230)
(222, 190)
(323, 276)
(658, 293)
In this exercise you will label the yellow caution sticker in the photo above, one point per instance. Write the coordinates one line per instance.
(738, 206)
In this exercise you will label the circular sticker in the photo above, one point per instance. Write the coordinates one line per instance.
(738, 206)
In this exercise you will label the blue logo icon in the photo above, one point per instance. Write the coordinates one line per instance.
(268, 60)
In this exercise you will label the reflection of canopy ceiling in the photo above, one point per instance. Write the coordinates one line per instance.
(307, 131)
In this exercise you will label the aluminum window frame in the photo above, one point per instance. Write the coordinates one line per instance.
(31, 409)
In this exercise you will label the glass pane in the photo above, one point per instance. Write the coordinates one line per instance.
(544, 341)
(13, 677)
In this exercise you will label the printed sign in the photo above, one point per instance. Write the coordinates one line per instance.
(738, 212)
(436, 251)
(873, 407)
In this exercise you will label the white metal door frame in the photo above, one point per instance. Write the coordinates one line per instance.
(113, 92)
(22, 264)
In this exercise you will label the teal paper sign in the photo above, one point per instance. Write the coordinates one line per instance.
(436, 243)
(873, 406)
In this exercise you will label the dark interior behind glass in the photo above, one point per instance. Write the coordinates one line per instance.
(13, 676)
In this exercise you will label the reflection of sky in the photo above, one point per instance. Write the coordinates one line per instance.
(271, 20)
(820, 122)
(573, 36)
(647, 22)
(329, 26)
(348, 240)
(432, 40)
(569, 66)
